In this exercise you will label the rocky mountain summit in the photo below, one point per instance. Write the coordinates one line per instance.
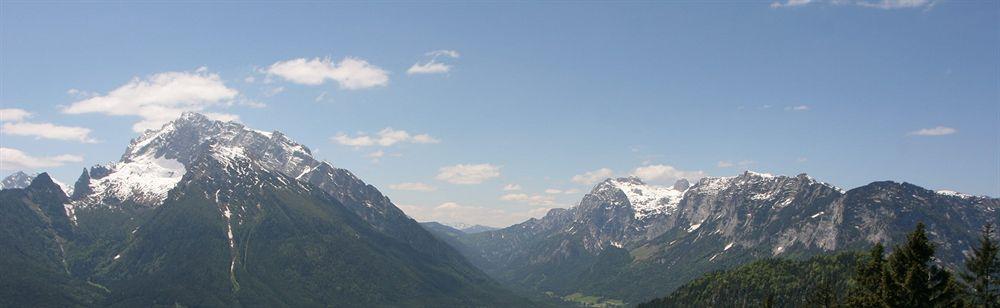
(17, 180)
(633, 241)
(210, 213)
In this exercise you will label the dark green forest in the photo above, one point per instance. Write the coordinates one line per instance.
(909, 276)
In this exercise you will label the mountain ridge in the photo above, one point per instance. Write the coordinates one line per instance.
(204, 212)
(604, 243)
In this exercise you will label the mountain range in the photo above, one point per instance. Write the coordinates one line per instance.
(210, 213)
(630, 241)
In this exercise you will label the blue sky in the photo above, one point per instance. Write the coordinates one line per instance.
(527, 95)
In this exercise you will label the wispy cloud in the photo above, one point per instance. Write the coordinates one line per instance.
(386, 137)
(14, 159)
(728, 164)
(274, 91)
(511, 187)
(665, 174)
(468, 173)
(881, 4)
(896, 4)
(444, 52)
(13, 114)
(454, 212)
(320, 97)
(797, 108)
(160, 98)
(48, 131)
(433, 66)
(534, 200)
(556, 191)
(350, 73)
(430, 67)
(592, 177)
(413, 186)
(934, 131)
(790, 3)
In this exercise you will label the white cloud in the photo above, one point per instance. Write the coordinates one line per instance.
(13, 114)
(727, 164)
(350, 73)
(413, 186)
(453, 212)
(274, 91)
(934, 131)
(665, 174)
(592, 177)
(790, 3)
(553, 191)
(511, 187)
(359, 141)
(536, 200)
(320, 97)
(429, 67)
(468, 173)
(385, 137)
(432, 66)
(250, 103)
(444, 52)
(880, 4)
(797, 108)
(159, 98)
(801, 160)
(571, 191)
(48, 131)
(375, 156)
(13, 159)
(81, 93)
(896, 4)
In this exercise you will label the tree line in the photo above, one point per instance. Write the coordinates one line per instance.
(909, 276)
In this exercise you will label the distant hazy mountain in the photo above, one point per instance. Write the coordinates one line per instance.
(17, 180)
(632, 241)
(20, 179)
(207, 213)
(467, 228)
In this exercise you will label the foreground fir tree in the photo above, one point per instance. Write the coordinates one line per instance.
(982, 271)
(867, 291)
(912, 280)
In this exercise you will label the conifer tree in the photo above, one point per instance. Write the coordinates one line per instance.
(982, 271)
(910, 278)
(868, 280)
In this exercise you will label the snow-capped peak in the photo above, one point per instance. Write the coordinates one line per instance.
(646, 199)
(953, 193)
(20, 179)
(156, 161)
(17, 180)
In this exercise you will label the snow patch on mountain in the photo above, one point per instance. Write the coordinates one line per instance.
(952, 193)
(648, 200)
(144, 179)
